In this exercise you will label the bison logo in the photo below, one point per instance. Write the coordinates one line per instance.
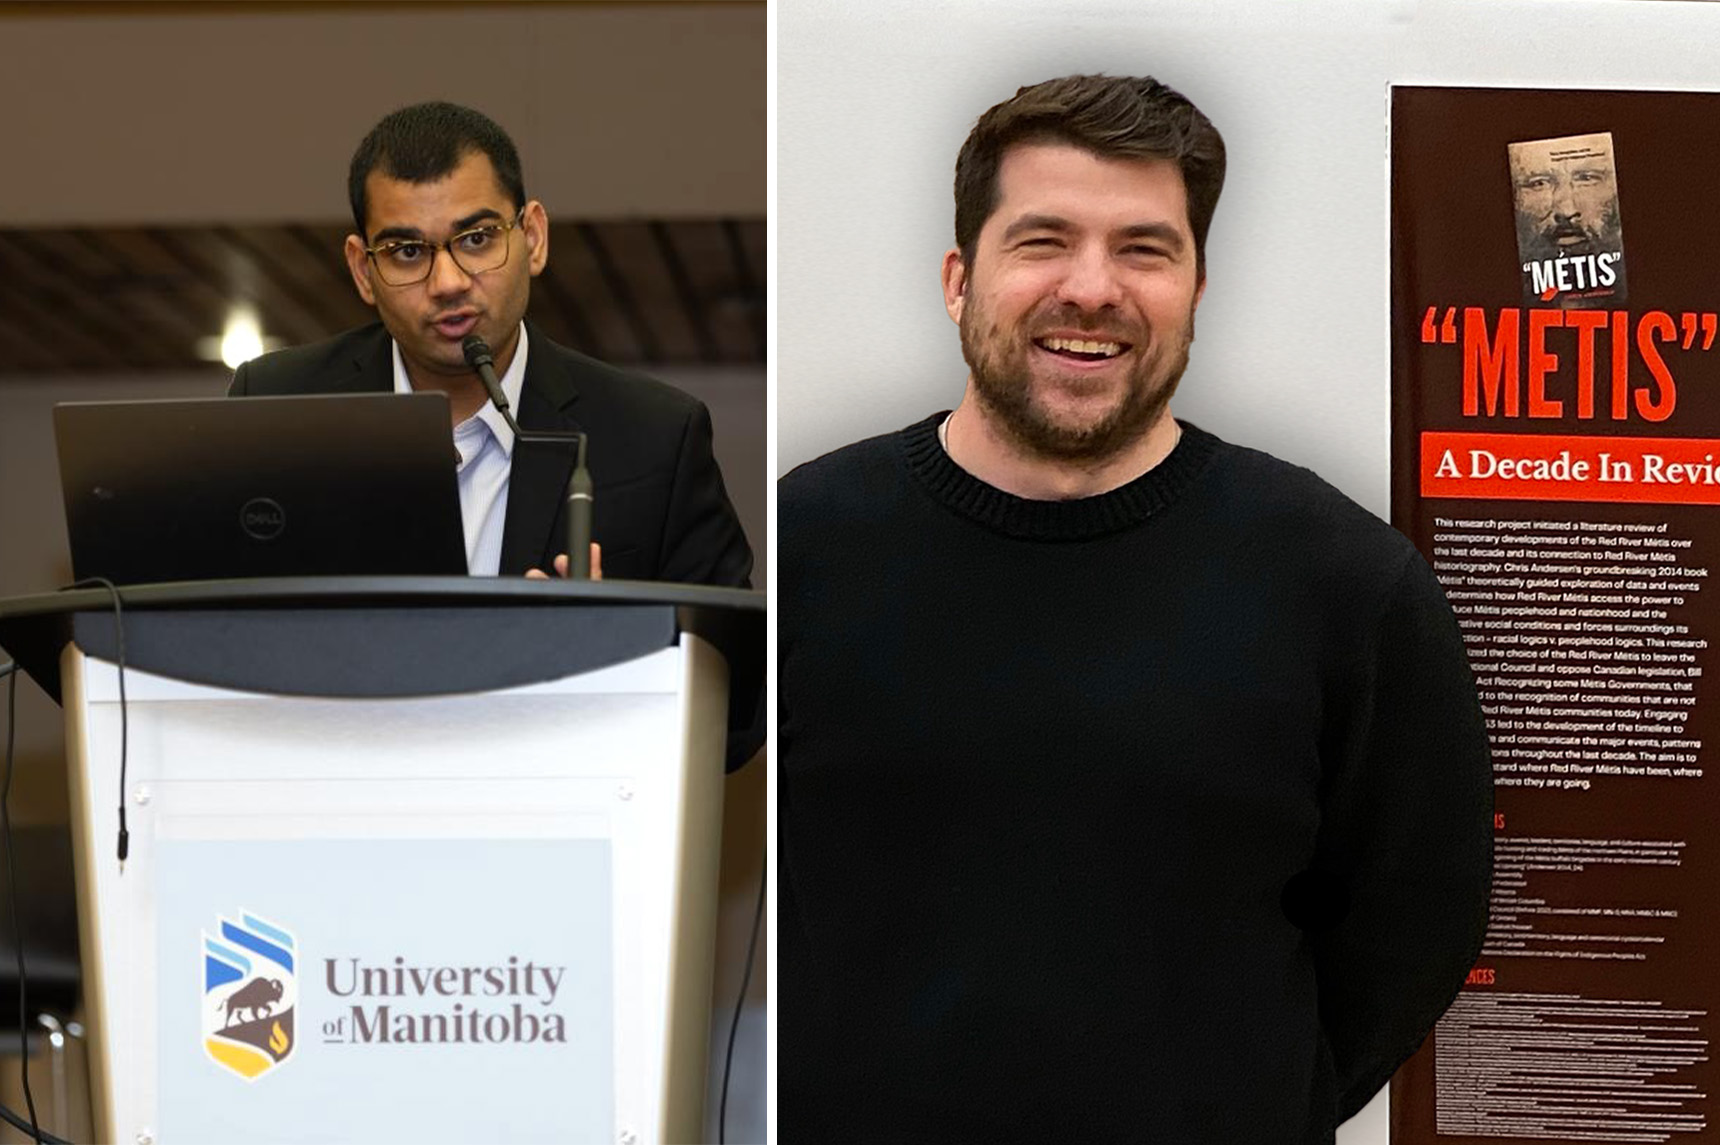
(249, 995)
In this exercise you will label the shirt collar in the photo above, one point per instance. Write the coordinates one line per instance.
(512, 383)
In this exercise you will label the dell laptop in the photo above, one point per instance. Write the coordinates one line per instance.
(217, 488)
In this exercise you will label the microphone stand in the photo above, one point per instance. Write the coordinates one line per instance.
(579, 498)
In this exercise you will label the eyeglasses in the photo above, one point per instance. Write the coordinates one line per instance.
(403, 262)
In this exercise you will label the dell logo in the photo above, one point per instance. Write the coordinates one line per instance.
(262, 518)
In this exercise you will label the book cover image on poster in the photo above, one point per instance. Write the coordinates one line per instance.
(1556, 460)
(1569, 235)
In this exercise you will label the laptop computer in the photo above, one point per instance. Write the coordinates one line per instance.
(214, 488)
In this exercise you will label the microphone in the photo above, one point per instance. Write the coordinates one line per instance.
(579, 490)
(579, 518)
(478, 357)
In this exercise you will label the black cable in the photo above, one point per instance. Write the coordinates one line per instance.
(124, 732)
(740, 999)
(22, 1126)
(34, 1128)
(10, 670)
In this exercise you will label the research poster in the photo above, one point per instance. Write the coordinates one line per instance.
(1556, 458)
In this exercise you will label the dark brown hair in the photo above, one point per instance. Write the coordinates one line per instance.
(1114, 117)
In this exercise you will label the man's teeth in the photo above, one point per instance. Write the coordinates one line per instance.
(1076, 346)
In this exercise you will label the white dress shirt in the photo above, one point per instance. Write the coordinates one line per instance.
(486, 447)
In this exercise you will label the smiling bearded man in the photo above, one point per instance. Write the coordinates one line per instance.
(1071, 358)
(1133, 783)
(1003, 382)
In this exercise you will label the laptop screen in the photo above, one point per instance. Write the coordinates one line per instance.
(217, 488)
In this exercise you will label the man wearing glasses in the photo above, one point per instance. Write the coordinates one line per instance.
(446, 246)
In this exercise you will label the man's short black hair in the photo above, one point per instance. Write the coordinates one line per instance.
(424, 142)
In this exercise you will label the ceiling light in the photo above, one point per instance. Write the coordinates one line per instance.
(242, 340)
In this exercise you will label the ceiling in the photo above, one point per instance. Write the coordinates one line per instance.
(90, 299)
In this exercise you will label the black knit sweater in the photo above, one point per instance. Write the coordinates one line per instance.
(1161, 815)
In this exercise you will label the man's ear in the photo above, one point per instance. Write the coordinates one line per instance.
(955, 274)
(535, 225)
(358, 265)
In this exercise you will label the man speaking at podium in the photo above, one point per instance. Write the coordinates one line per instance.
(1134, 786)
(446, 246)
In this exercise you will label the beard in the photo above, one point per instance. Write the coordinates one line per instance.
(1538, 238)
(1013, 388)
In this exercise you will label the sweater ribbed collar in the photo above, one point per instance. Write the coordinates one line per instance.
(1080, 519)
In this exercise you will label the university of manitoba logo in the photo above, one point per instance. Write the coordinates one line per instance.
(250, 991)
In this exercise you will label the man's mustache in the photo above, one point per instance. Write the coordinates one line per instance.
(1561, 234)
(1101, 327)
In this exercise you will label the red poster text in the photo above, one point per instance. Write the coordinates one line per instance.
(1569, 363)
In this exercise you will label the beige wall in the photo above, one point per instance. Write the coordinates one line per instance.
(183, 113)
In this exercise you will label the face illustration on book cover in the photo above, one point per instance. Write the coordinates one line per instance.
(1569, 235)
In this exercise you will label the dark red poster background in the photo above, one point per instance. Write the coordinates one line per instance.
(1562, 474)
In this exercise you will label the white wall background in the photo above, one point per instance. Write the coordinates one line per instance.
(1291, 354)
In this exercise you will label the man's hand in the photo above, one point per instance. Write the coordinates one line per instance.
(561, 565)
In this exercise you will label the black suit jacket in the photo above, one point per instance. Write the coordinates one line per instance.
(660, 509)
